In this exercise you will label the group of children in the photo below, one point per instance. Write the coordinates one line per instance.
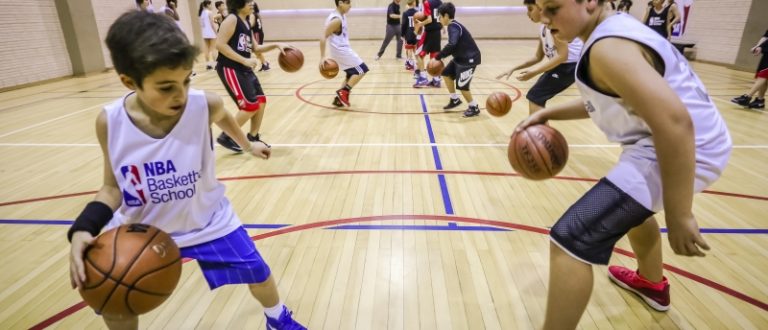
(624, 73)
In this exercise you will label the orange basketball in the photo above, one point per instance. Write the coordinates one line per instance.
(435, 67)
(498, 104)
(130, 270)
(329, 68)
(419, 16)
(538, 152)
(291, 60)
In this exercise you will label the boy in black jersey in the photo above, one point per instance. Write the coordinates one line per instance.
(761, 78)
(429, 42)
(235, 69)
(409, 35)
(466, 57)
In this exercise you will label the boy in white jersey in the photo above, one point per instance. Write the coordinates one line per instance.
(336, 34)
(558, 68)
(640, 91)
(164, 124)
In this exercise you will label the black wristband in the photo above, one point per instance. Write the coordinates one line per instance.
(95, 216)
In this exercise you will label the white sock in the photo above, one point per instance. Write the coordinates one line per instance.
(423, 74)
(473, 103)
(274, 311)
(454, 96)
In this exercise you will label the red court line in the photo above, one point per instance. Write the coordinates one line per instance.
(517, 96)
(447, 218)
(358, 172)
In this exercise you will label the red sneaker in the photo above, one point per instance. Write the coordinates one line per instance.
(655, 295)
(343, 95)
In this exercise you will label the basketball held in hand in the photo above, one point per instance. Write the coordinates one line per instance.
(291, 60)
(435, 67)
(419, 16)
(538, 152)
(329, 68)
(498, 104)
(130, 270)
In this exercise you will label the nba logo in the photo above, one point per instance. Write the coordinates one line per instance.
(134, 197)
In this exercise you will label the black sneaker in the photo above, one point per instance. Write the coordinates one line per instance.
(209, 67)
(741, 100)
(758, 103)
(257, 138)
(337, 102)
(472, 111)
(225, 141)
(452, 104)
(264, 66)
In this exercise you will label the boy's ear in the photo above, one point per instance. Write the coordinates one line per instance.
(128, 82)
(591, 6)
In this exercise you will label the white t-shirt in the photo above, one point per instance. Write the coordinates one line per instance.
(338, 45)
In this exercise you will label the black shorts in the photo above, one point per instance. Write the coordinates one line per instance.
(590, 228)
(243, 87)
(431, 42)
(552, 83)
(461, 74)
(356, 70)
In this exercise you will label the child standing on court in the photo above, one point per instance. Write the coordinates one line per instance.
(235, 69)
(761, 78)
(466, 58)
(558, 68)
(641, 92)
(408, 34)
(336, 34)
(163, 121)
(429, 43)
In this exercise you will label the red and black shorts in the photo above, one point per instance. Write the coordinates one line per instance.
(243, 87)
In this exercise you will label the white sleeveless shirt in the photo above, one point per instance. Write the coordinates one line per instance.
(169, 182)
(620, 123)
(339, 48)
(548, 43)
(205, 25)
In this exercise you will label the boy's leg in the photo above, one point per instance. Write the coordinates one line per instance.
(121, 322)
(646, 243)
(570, 286)
(265, 292)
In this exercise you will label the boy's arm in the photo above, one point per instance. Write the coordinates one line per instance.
(219, 116)
(531, 61)
(226, 30)
(675, 19)
(453, 39)
(565, 111)
(332, 28)
(265, 48)
(644, 89)
(550, 63)
(97, 213)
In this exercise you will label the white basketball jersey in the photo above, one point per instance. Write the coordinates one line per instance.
(169, 182)
(620, 123)
(548, 43)
(338, 45)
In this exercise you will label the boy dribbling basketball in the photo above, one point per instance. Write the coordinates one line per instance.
(641, 92)
(159, 165)
(336, 34)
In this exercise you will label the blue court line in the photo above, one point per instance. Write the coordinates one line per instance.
(450, 226)
(438, 163)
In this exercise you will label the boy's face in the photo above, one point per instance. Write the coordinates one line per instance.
(164, 91)
(567, 19)
(445, 20)
(534, 13)
(344, 6)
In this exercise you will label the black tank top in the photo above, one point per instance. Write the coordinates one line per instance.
(435, 25)
(658, 21)
(241, 43)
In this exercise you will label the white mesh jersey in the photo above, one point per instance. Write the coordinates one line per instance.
(169, 182)
(620, 123)
(338, 45)
(548, 43)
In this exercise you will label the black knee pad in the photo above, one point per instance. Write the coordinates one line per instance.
(590, 228)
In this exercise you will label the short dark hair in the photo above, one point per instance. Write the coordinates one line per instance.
(235, 5)
(140, 43)
(447, 8)
(337, 2)
(217, 4)
(529, 2)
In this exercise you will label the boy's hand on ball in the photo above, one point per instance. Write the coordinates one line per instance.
(80, 241)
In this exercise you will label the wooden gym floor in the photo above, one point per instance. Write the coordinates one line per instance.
(391, 215)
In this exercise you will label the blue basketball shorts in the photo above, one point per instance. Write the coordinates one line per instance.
(232, 259)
